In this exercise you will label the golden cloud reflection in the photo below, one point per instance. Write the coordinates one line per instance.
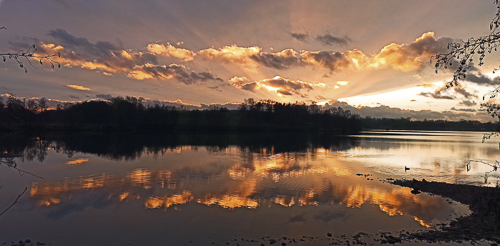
(77, 162)
(261, 180)
(230, 201)
(165, 202)
(141, 178)
(280, 166)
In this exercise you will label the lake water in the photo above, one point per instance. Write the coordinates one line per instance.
(230, 189)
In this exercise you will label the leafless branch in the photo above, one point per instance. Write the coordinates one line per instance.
(465, 52)
(495, 165)
(30, 56)
(11, 163)
(26, 188)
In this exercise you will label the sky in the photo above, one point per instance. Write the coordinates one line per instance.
(362, 54)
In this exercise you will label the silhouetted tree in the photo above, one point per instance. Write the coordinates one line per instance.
(463, 54)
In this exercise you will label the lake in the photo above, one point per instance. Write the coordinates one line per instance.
(231, 189)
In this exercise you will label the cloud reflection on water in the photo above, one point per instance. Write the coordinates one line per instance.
(259, 180)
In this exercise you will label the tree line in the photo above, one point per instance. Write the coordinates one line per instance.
(132, 114)
(431, 125)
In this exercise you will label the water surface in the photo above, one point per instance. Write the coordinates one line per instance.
(195, 190)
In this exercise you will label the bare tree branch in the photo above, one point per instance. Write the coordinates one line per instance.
(464, 53)
(29, 56)
(14, 201)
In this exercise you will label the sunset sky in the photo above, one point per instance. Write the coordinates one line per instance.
(370, 53)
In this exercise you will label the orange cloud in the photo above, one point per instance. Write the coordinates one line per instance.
(234, 54)
(281, 86)
(118, 62)
(77, 162)
(170, 50)
(78, 87)
(402, 57)
(179, 72)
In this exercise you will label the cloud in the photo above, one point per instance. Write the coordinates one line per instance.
(281, 60)
(463, 92)
(481, 79)
(234, 54)
(439, 93)
(402, 57)
(467, 103)
(330, 40)
(463, 109)
(436, 95)
(173, 71)
(104, 96)
(78, 87)
(332, 60)
(169, 50)
(279, 85)
(111, 58)
(102, 55)
(303, 37)
(249, 58)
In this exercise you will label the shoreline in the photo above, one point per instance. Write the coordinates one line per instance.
(482, 224)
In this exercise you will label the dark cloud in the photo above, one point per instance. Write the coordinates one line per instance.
(439, 93)
(464, 93)
(327, 59)
(467, 103)
(481, 79)
(330, 40)
(69, 41)
(303, 37)
(281, 60)
(463, 109)
(436, 95)
(250, 87)
(104, 96)
(214, 88)
(102, 55)
(174, 71)
(74, 97)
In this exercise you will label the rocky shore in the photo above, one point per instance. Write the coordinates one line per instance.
(482, 224)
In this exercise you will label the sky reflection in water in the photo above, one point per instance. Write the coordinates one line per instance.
(201, 194)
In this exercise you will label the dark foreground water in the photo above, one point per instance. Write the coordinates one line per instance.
(231, 190)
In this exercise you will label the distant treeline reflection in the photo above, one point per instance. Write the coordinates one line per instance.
(133, 146)
(132, 114)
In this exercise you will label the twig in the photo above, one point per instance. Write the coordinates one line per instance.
(26, 188)
(30, 54)
(22, 172)
(495, 166)
(13, 164)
